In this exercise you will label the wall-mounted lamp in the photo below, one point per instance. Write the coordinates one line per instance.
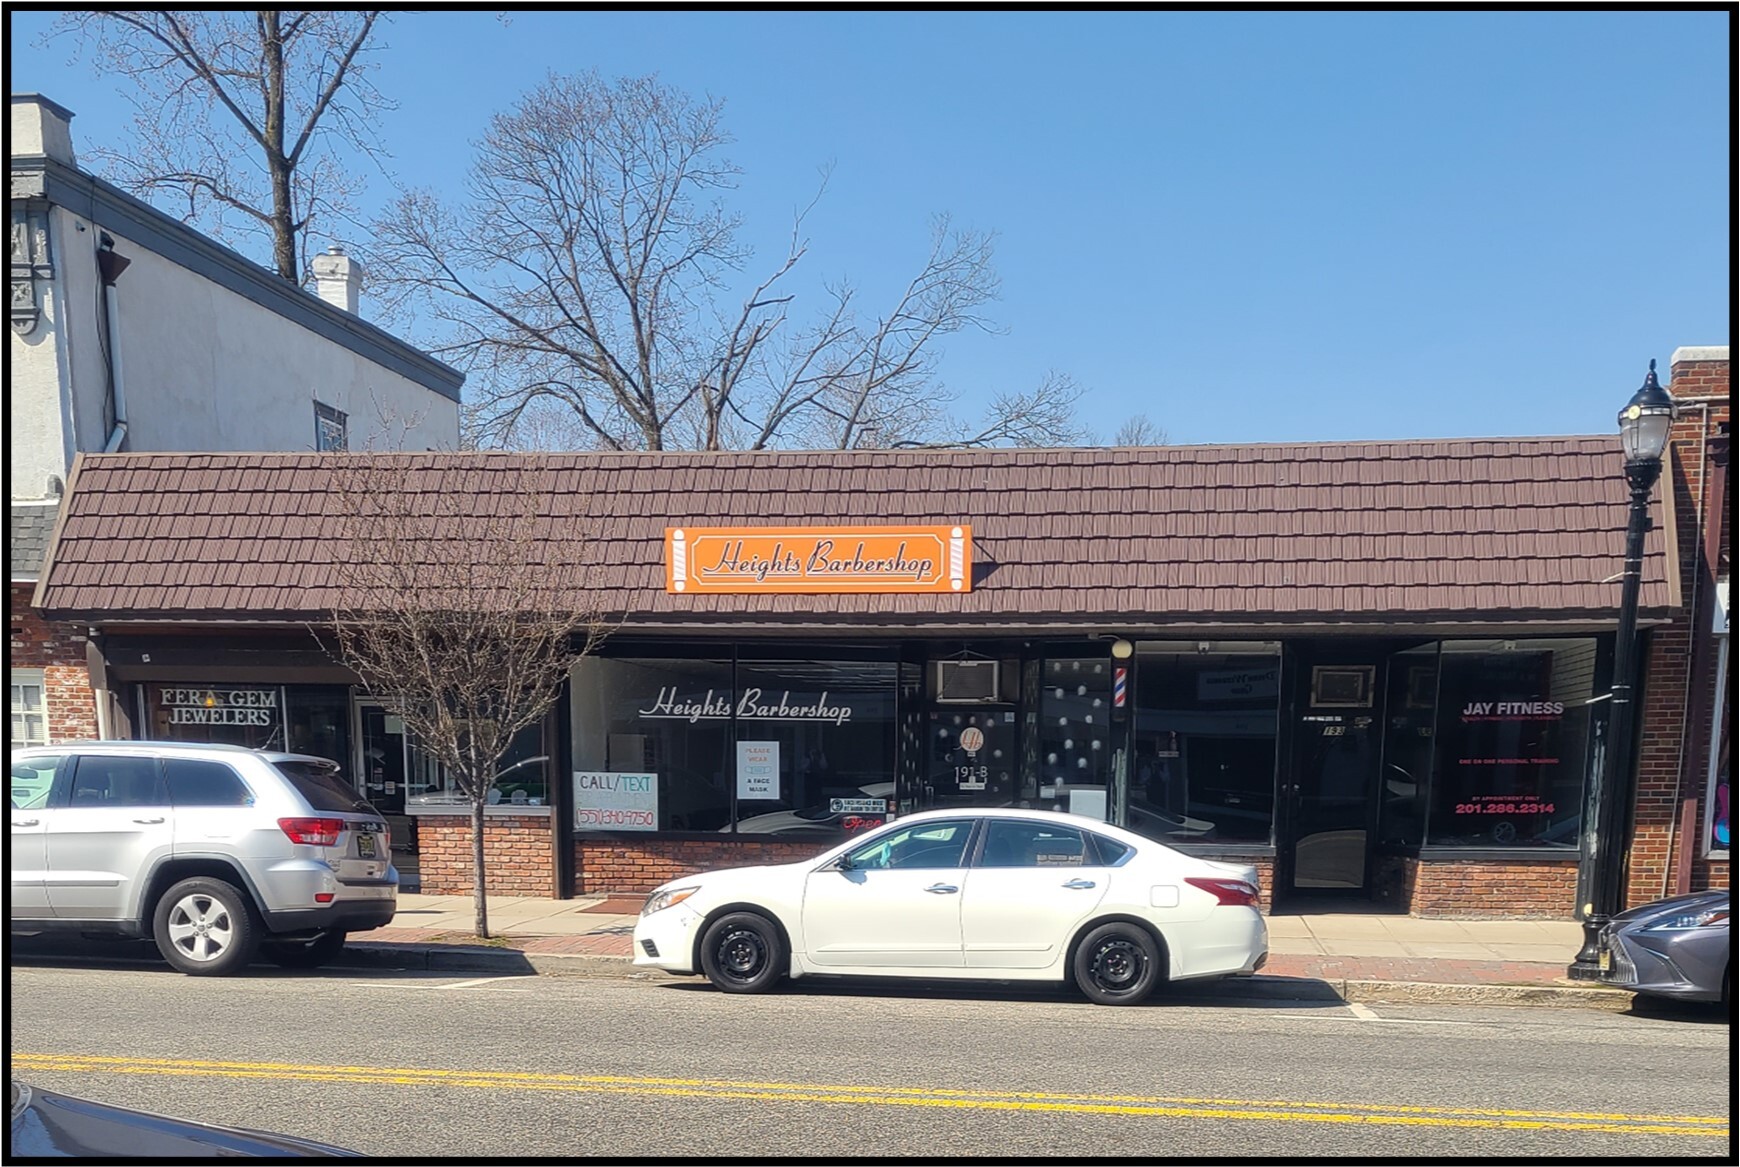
(1122, 649)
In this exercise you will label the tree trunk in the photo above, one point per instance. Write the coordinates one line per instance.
(278, 165)
(478, 882)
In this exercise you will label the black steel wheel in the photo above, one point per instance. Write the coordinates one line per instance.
(1117, 964)
(743, 953)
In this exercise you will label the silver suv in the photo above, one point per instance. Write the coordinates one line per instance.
(216, 852)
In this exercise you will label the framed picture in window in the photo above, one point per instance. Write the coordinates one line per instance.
(1342, 686)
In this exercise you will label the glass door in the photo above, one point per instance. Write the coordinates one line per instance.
(971, 757)
(381, 769)
(1337, 749)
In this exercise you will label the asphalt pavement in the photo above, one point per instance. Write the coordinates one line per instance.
(1354, 956)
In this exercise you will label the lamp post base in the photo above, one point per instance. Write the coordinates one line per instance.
(1586, 965)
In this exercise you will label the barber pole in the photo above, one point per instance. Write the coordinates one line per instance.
(1118, 678)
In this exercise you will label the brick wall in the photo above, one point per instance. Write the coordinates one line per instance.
(59, 651)
(517, 855)
(616, 865)
(1672, 754)
(1477, 889)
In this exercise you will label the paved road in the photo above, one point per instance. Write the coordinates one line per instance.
(400, 1064)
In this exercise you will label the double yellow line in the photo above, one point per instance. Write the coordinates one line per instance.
(1125, 1104)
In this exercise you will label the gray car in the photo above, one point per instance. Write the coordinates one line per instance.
(218, 853)
(1676, 947)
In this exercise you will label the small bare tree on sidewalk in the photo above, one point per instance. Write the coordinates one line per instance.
(462, 602)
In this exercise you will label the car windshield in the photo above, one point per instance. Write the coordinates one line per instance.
(321, 784)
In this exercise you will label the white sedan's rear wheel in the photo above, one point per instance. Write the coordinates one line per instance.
(1117, 964)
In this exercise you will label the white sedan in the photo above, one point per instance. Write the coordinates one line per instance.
(996, 894)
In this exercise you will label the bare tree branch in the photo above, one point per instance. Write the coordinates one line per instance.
(590, 268)
(216, 92)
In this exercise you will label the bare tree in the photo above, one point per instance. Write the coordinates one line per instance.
(588, 271)
(243, 114)
(458, 607)
(1138, 430)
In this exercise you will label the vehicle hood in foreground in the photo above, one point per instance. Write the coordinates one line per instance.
(47, 1125)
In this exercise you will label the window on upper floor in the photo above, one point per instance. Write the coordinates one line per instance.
(330, 429)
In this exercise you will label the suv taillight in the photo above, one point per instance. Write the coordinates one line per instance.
(1226, 891)
(316, 832)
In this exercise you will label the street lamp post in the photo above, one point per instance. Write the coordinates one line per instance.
(1643, 433)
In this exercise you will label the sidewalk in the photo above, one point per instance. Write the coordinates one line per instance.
(1356, 956)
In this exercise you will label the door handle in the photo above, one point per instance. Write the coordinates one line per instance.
(943, 889)
(25, 822)
(148, 822)
(1079, 883)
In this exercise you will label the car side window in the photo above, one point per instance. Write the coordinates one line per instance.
(920, 846)
(196, 783)
(1022, 843)
(1111, 851)
(110, 782)
(32, 781)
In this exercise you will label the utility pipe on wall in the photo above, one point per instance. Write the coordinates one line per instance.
(110, 266)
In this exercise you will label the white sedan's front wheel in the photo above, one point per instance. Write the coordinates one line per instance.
(743, 953)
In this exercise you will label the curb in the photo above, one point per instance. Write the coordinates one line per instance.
(513, 962)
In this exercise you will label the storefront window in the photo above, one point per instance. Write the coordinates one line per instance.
(652, 744)
(1075, 698)
(1410, 718)
(320, 721)
(1203, 741)
(1512, 742)
(814, 747)
(237, 715)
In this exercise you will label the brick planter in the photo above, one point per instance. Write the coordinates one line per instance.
(517, 854)
(1479, 888)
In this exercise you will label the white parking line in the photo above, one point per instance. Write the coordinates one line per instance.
(1361, 1012)
(485, 983)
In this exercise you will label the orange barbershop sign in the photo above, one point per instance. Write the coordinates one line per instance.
(814, 560)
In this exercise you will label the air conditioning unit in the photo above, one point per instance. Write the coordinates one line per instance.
(966, 682)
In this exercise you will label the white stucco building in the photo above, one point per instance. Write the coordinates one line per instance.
(205, 350)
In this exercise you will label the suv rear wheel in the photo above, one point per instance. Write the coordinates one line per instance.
(205, 927)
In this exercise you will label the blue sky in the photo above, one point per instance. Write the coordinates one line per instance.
(1251, 226)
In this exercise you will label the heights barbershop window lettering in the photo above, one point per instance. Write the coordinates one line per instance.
(755, 702)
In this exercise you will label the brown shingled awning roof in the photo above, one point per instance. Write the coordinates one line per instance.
(1403, 534)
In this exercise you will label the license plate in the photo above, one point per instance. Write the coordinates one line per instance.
(365, 848)
(1606, 960)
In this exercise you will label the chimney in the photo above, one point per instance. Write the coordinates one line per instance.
(338, 278)
(41, 128)
(1699, 371)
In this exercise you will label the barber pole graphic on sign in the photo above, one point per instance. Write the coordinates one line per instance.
(1118, 689)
